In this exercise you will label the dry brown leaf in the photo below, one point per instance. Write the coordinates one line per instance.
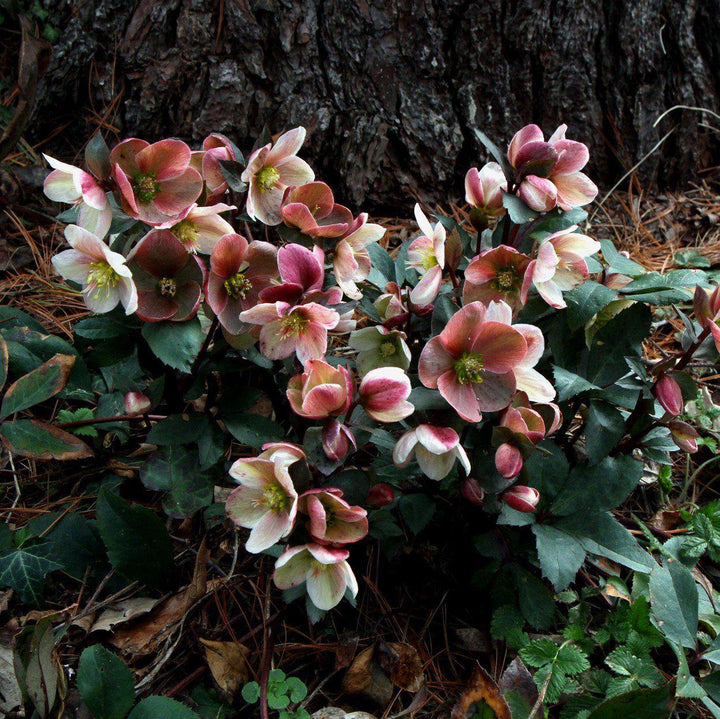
(228, 665)
(402, 664)
(10, 694)
(366, 679)
(336, 713)
(481, 687)
(518, 681)
(346, 650)
(122, 612)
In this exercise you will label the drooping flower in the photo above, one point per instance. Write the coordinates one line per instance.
(380, 495)
(521, 498)
(286, 329)
(472, 491)
(484, 192)
(321, 390)
(332, 520)
(390, 305)
(169, 280)
(351, 260)
(155, 181)
(70, 184)
(472, 362)
(383, 394)
(560, 265)
(216, 149)
(684, 435)
(378, 346)
(549, 172)
(435, 448)
(265, 502)
(103, 274)
(311, 208)
(302, 273)
(199, 228)
(270, 170)
(426, 254)
(497, 274)
(239, 271)
(336, 440)
(324, 570)
(284, 453)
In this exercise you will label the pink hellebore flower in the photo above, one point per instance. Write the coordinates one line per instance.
(560, 265)
(380, 495)
(332, 520)
(497, 274)
(684, 435)
(312, 210)
(286, 329)
(383, 394)
(521, 498)
(216, 149)
(283, 453)
(321, 390)
(199, 228)
(239, 271)
(484, 190)
(426, 254)
(156, 181)
(70, 184)
(549, 172)
(436, 449)
(472, 361)
(302, 273)
(379, 347)
(324, 570)
(270, 170)
(390, 305)
(336, 440)
(169, 280)
(351, 260)
(265, 502)
(707, 311)
(103, 274)
(472, 491)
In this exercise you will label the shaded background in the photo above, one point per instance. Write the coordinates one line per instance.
(392, 90)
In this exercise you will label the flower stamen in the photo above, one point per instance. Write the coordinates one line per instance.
(267, 178)
(469, 368)
(145, 187)
(168, 287)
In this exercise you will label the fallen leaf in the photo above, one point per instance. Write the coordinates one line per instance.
(366, 679)
(335, 713)
(481, 688)
(228, 665)
(10, 694)
(122, 612)
(519, 688)
(346, 650)
(402, 664)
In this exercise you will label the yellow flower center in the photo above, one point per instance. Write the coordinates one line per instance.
(469, 368)
(145, 187)
(505, 279)
(187, 232)
(267, 178)
(168, 287)
(238, 286)
(387, 349)
(103, 276)
(294, 324)
(275, 499)
(429, 260)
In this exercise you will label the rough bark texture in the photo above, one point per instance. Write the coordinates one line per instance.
(392, 90)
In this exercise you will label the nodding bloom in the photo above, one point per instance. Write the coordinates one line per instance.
(332, 521)
(383, 394)
(684, 435)
(321, 390)
(67, 183)
(560, 265)
(380, 495)
(378, 346)
(283, 452)
(270, 170)
(336, 440)
(311, 208)
(155, 181)
(239, 271)
(521, 498)
(426, 254)
(351, 259)
(103, 274)
(199, 228)
(137, 403)
(497, 274)
(473, 360)
(549, 172)
(286, 329)
(216, 149)
(484, 191)
(324, 571)
(390, 305)
(435, 448)
(265, 502)
(169, 280)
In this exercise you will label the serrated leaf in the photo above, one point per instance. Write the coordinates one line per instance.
(619, 263)
(24, 571)
(572, 660)
(674, 602)
(105, 683)
(253, 430)
(604, 429)
(539, 652)
(177, 344)
(569, 384)
(561, 555)
(32, 438)
(161, 707)
(38, 385)
(585, 301)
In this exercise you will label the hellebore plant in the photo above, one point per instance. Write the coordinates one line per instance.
(500, 356)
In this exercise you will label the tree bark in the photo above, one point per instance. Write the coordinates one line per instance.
(392, 90)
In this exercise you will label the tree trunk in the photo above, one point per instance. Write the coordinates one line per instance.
(392, 90)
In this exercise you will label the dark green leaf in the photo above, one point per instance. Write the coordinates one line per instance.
(382, 264)
(536, 602)
(443, 310)
(548, 472)
(518, 211)
(105, 683)
(674, 602)
(604, 429)
(638, 704)
(416, 510)
(24, 571)
(178, 430)
(254, 430)
(76, 546)
(161, 708)
(232, 172)
(570, 385)
(497, 154)
(585, 301)
(177, 344)
(619, 263)
(561, 555)
(32, 438)
(136, 540)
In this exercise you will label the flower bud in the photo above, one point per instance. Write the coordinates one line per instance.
(472, 491)
(669, 394)
(380, 495)
(508, 460)
(336, 440)
(521, 498)
(684, 435)
(136, 403)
